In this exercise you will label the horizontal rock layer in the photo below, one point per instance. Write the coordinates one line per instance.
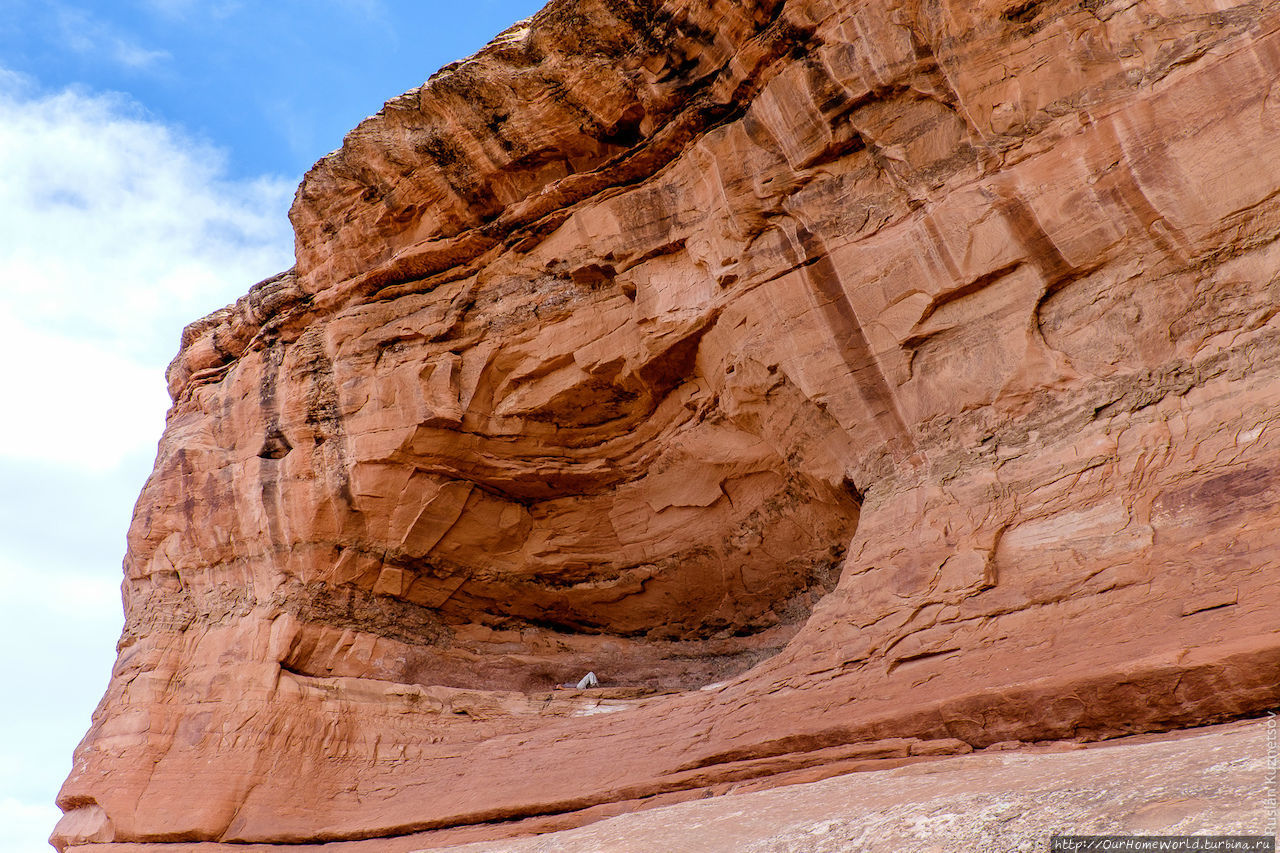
(1001, 801)
(840, 382)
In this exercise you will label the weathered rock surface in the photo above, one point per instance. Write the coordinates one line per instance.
(842, 382)
(1216, 783)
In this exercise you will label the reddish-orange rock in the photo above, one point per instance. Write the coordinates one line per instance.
(1217, 782)
(843, 383)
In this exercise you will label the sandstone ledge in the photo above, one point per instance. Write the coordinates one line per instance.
(1004, 800)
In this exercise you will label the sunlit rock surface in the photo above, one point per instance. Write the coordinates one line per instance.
(842, 382)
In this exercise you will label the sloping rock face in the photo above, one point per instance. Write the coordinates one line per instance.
(843, 383)
(1217, 782)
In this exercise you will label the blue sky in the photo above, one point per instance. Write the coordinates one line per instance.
(150, 150)
(276, 84)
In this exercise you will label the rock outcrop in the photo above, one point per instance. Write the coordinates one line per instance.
(842, 382)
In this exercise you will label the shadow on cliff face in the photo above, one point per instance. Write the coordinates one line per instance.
(637, 499)
(508, 480)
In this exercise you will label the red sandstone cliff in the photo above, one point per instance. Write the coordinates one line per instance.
(841, 382)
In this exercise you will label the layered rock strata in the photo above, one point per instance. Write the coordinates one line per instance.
(842, 382)
(1217, 782)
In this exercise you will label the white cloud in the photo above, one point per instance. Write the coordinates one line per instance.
(89, 36)
(372, 9)
(115, 231)
(45, 603)
(27, 825)
(180, 9)
(73, 402)
(64, 625)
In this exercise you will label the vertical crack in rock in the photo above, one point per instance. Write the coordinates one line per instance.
(275, 445)
(823, 277)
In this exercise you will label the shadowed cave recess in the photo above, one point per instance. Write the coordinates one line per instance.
(681, 561)
(510, 517)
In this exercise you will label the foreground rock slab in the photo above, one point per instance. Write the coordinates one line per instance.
(844, 383)
(1216, 782)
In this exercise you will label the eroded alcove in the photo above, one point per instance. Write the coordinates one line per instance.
(620, 487)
